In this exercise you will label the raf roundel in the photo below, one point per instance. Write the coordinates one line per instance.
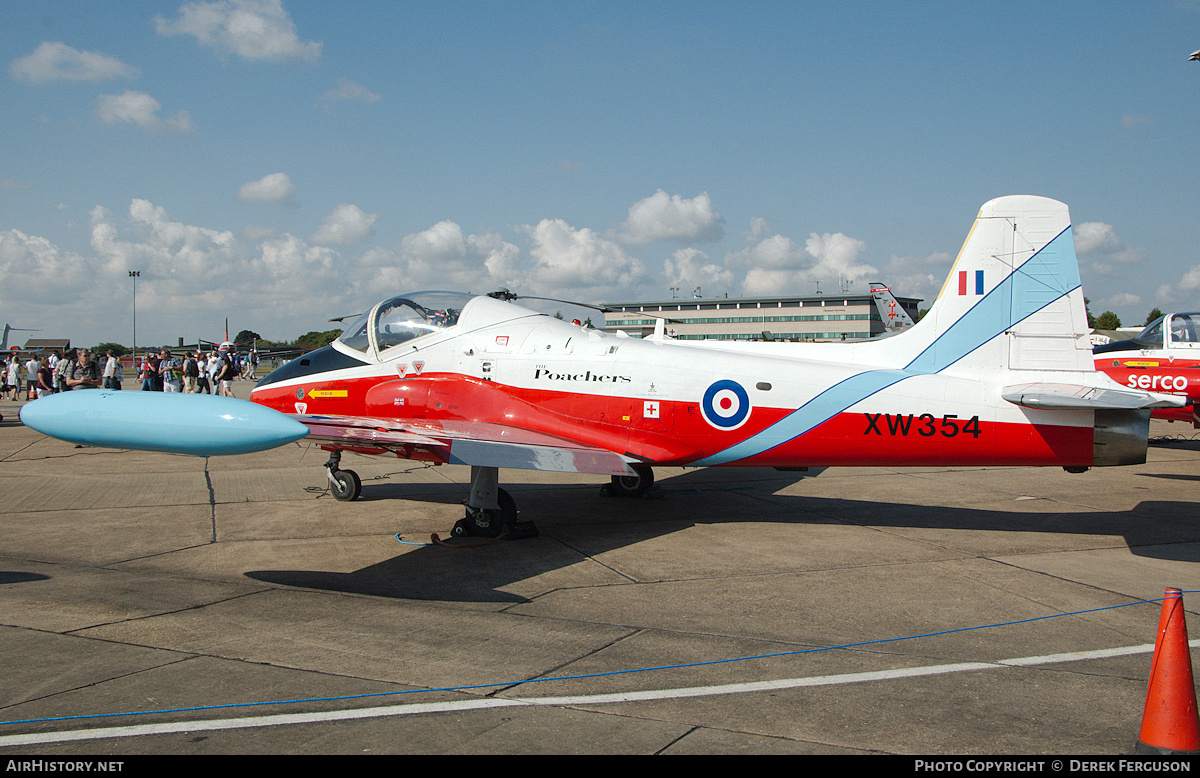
(726, 405)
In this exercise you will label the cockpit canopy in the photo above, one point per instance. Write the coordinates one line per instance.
(1175, 330)
(1183, 328)
(404, 318)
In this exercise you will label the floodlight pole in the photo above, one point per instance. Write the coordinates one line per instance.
(134, 275)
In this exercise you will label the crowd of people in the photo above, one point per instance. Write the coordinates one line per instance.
(43, 374)
(195, 373)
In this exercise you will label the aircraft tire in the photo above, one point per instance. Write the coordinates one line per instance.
(346, 486)
(489, 523)
(634, 485)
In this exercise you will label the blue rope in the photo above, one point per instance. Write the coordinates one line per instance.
(797, 652)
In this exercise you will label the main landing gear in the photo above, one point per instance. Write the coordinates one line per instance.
(345, 484)
(641, 484)
(491, 511)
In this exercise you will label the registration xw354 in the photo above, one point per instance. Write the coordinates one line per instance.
(926, 425)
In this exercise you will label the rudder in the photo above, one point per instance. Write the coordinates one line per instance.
(1016, 276)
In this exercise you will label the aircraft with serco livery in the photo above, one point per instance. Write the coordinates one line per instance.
(1163, 357)
(998, 372)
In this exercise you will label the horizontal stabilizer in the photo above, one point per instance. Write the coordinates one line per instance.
(1077, 397)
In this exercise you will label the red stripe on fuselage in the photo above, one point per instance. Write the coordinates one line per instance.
(679, 434)
(899, 440)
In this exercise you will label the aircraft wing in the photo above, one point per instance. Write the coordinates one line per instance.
(464, 443)
(1078, 397)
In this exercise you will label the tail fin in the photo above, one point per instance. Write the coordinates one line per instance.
(895, 318)
(1013, 298)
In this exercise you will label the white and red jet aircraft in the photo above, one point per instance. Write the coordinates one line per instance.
(999, 372)
(1164, 357)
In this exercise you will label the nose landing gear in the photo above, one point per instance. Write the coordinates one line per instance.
(345, 485)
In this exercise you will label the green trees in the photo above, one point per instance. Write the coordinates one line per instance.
(312, 340)
(116, 348)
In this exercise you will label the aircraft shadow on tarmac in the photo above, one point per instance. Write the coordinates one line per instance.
(577, 524)
(1178, 444)
(17, 576)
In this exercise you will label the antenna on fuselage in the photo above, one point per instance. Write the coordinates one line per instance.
(504, 294)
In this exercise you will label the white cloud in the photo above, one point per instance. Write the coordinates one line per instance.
(662, 216)
(59, 62)
(1122, 300)
(141, 109)
(1183, 289)
(1134, 126)
(1093, 236)
(345, 224)
(191, 276)
(580, 260)
(920, 277)
(442, 257)
(349, 90)
(1098, 238)
(775, 265)
(837, 254)
(251, 29)
(272, 188)
(690, 268)
(32, 269)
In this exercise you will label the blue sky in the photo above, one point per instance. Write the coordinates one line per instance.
(279, 163)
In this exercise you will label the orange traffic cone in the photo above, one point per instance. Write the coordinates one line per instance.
(1170, 724)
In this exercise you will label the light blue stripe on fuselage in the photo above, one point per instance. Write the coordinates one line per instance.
(1044, 278)
(818, 410)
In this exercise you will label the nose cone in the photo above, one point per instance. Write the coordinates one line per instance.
(196, 424)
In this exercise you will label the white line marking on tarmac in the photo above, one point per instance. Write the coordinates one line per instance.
(411, 709)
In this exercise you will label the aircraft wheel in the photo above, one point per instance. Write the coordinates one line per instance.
(345, 485)
(486, 522)
(633, 485)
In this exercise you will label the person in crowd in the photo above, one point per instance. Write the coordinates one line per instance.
(84, 373)
(14, 377)
(45, 378)
(202, 378)
(112, 372)
(61, 368)
(226, 372)
(170, 369)
(31, 371)
(151, 380)
(191, 373)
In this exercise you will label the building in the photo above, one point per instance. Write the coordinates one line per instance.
(60, 345)
(815, 317)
